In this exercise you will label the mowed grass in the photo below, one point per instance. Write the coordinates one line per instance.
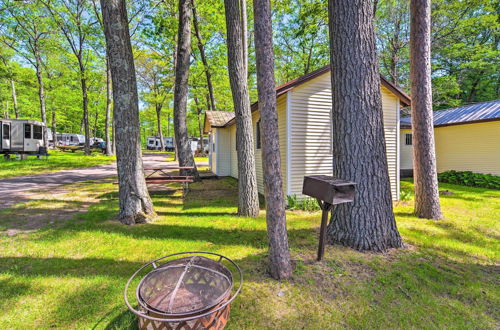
(57, 161)
(71, 272)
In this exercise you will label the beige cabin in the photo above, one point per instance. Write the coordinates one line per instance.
(467, 138)
(304, 107)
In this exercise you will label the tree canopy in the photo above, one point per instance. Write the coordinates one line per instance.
(465, 53)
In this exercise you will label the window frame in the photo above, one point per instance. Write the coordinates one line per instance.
(258, 137)
(5, 137)
(30, 131)
(408, 139)
(37, 135)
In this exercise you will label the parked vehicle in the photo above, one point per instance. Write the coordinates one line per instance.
(153, 143)
(69, 139)
(20, 136)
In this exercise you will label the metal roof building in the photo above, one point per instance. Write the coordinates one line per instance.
(466, 114)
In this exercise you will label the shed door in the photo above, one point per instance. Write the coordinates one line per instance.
(6, 136)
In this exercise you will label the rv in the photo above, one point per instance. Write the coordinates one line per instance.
(20, 136)
(154, 143)
(68, 139)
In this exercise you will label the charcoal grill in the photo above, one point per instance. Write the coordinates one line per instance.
(191, 291)
(328, 191)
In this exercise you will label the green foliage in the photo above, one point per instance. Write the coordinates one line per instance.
(405, 194)
(304, 204)
(470, 179)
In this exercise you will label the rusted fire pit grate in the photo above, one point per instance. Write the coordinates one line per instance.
(191, 292)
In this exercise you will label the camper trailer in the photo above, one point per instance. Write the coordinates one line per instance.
(20, 136)
(68, 139)
(153, 143)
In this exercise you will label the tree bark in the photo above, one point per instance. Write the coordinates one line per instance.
(359, 151)
(184, 151)
(244, 36)
(248, 198)
(41, 94)
(109, 100)
(200, 128)
(279, 254)
(158, 120)
(135, 204)
(54, 127)
(14, 97)
(424, 157)
(204, 59)
(85, 104)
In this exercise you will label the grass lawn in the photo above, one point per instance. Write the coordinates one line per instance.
(70, 272)
(57, 161)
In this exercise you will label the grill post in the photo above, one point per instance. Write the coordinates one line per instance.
(328, 191)
(325, 209)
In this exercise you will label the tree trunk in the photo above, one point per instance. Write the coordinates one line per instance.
(279, 254)
(204, 58)
(248, 197)
(109, 95)
(359, 152)
(424, 157)
(200, 128)
(244, 36)
(160, 131)
(54, 127)
(184, 152)
(14, 97)
(135, 204)
(85, 105)
(41, 96)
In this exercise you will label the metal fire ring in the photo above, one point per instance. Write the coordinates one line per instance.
(153, 263)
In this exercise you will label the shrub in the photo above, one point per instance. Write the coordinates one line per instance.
(305, 204)
(405, 195)
(470, 179)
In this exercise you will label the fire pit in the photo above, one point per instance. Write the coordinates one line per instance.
(192, 291)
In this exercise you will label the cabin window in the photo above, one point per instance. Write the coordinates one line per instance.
(408, 139)
(71, 138)
(6, 131)
(37, 132)
(27, 131)
(258, 134)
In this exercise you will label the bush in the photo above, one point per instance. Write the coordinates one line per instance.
(470, 179)
(305, 204)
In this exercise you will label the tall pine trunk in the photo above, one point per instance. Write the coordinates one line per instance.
(248, 198)
(158, 121)
(135, 204)
(201, 48)
(424, 156)
(54, 127)
(109, 100)
(184, 152)
(359, 152)
(279, 254)
(41, 95)
(14, 97)
(85, 104)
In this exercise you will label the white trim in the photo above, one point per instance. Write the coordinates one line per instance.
(288, 142)
(398, 151)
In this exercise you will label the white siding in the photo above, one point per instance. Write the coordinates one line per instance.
(223, 152)
(282, 131)
(310, 132)
(406, 152)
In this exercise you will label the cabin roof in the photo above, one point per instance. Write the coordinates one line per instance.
(217, 119)
(471, 113)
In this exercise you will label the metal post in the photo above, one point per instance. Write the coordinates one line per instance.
(325, 207)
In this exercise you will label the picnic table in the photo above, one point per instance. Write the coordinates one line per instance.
(167, 177)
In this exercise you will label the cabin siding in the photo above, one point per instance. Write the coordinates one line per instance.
(311, 133)
(282, 131)
(467, 147)
(223, 152)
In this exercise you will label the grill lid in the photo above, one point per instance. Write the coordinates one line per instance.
(185, 286)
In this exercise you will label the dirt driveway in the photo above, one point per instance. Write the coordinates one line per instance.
(16, 189)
